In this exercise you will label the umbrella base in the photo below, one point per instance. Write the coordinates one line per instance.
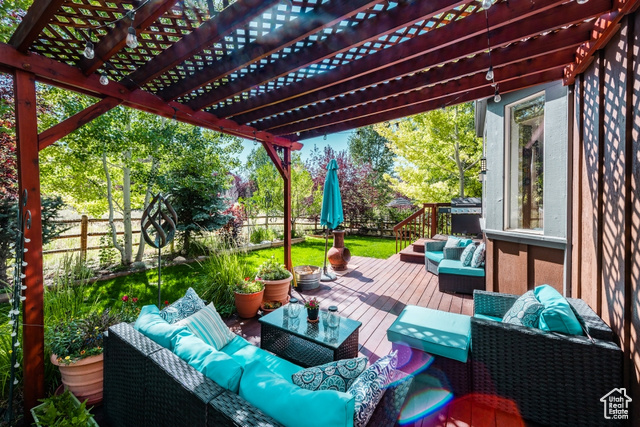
(327, 276)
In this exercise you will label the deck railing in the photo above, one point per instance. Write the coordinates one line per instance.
(425, 222)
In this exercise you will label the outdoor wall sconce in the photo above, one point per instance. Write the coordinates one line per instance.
(483, 165)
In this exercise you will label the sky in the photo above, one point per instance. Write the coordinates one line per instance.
(338, 142)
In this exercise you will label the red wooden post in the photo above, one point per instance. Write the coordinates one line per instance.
(84, 228)
(434, 220)
(287, 209)
(29, 179)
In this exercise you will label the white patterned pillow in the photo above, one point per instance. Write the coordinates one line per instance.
(478, 256)
(369, 387)
(207, 325)
(467, 254)
(338, 375)
(183, 307)
(525, 311)
(452, 242)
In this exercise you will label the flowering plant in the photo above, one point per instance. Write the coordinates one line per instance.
(130, 310)
(79, 338)
(272, 270)
(312, 304)
(249, 286)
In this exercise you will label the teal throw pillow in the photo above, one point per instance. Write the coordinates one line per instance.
(182, 308)
(338, 375)
(154, 327)
(478, 256)
(452, 242)
(557, 315)
(207, 325)
(369, 387)
(291, 405)
(213, 364)
(467, 254)
(525, 311)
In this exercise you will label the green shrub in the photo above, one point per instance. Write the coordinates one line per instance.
(260, 234)
(63, 411)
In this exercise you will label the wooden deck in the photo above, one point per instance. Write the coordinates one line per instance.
(374, 293)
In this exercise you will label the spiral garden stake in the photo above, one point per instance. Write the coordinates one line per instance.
(24, 223)
(160, 220)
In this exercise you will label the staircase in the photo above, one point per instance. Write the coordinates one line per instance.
(413, 253)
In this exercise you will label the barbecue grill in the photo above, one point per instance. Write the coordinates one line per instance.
(465, 215)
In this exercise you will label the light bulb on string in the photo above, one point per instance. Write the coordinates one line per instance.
(104, 80)
(88, 51)
(490, 75)
(17, 365)
(25, 250)
(497, 97)
(15, 382)
(486, 4)
(27, 240)
(132, 40)
(23, 288)
(25, 263)
(581, 1)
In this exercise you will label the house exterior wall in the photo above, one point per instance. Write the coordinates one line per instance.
(605, 220)
(517, 261)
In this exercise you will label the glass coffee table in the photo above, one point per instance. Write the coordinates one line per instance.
(308, 344)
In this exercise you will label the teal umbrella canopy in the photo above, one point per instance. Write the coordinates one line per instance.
(331, 215)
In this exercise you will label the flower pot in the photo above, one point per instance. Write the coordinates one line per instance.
(277, 290)
(247, 305)
(41, 408)
(312, 313)
(83, 378)
(269, 310)
(338, 255)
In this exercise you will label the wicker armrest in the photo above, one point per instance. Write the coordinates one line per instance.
(492, 303)
(388, 410)
(434, 246)
(594, 325)
(452, 253)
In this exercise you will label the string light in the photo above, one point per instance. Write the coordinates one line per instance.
(104, 80)
(88, 51)
(581, 1)
(486, 4)
(490, 75)
(496, 96)
(132, 40)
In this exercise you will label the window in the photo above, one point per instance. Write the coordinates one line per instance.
(525, 164)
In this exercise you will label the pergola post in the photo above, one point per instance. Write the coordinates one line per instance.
(287, 209)
(29, 179)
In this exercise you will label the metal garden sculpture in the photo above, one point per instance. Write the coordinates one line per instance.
(158, 225)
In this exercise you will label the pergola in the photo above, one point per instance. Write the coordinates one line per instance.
(278, 72)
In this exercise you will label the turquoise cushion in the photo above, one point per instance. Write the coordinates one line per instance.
(434, 256)
(291, 405)
(245, 353)
(154, 327)
(487, 317)
(433, 331)
(557, 315)
(525, 311)
(212, 363)
(454, 266)
(463, 243)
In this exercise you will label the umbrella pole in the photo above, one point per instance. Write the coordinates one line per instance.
(326, 275)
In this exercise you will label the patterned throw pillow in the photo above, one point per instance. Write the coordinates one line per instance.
(207, 325)
(338, 375)
(467, 254)
(369, 387)
(525, 311)
(452, 242)
(182, 308)
(478, 256)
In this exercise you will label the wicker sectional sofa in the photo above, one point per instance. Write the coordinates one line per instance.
(146, 384)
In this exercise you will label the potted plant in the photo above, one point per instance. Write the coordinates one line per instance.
(64, 409)
(76, 347)
(248, 297)
(269, 306)
(313, 308)
(276, 279)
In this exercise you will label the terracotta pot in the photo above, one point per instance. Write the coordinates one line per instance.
(277, 290)
(269, 310)
(83, 378)
(338, 255)
(247, 305)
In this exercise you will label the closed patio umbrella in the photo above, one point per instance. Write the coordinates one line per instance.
(331, 215)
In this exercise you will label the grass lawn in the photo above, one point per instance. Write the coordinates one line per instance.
(177, 279)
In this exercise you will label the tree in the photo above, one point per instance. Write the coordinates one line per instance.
(359, 195)
(368, 147)
(437, 153)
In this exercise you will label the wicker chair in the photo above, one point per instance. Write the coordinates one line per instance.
(458, 283)
(553, 379)
(147, 385)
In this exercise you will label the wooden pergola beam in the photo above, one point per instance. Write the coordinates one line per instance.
(605, 27)
(406, 13)
(54, 72)
(34, 21)
(471, 95)
(115, 40)
(213, 31)
(514, 53)
(508, 22)
(324, 16)
(64, 128)
(513, 71)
